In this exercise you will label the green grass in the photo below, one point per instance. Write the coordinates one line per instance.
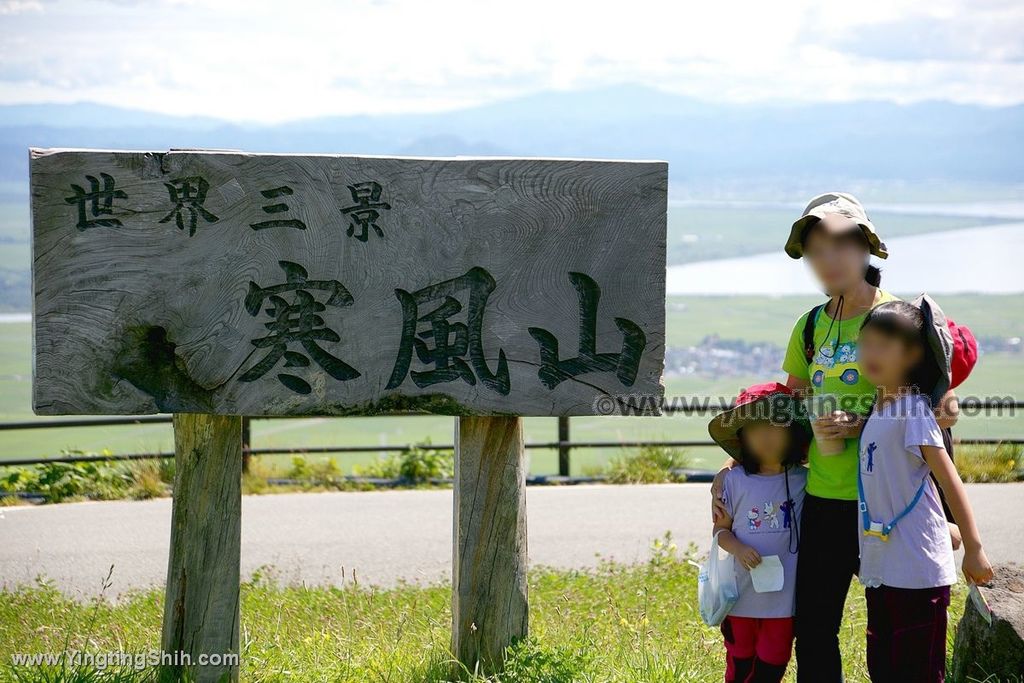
(986, 464)
(771, 318)
(14, 235)
(617, 623)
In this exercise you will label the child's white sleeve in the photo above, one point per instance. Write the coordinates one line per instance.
(921, 428)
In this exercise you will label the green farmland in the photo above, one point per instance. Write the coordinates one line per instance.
(689, 319)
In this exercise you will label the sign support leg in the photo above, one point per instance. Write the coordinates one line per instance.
(201, 609)
(489, 591)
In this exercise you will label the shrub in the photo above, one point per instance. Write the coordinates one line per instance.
(93, 480)
(148, 479)
(255, 480)
(649, 465)
(320, 474)
(418, 465)
(1004, 462)
(59, 481)
(387, 467)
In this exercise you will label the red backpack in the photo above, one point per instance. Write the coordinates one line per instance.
(965, 353)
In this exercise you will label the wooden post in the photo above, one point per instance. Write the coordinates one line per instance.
(489, 593)
(201, 608)
(563, 445)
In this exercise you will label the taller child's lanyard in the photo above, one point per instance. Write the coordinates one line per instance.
(882, 530)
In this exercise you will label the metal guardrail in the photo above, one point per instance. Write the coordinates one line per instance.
(564, 445)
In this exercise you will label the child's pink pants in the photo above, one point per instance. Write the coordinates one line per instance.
(757, 650)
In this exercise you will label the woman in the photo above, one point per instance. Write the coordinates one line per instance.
(837, 239)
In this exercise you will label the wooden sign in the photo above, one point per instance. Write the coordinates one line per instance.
(274, 284)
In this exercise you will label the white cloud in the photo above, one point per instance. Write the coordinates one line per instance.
(20, 6)
(258, 60)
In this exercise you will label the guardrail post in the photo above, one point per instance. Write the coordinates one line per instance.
(246, 444)
(563, 445)
(489, 593)
(201, 606)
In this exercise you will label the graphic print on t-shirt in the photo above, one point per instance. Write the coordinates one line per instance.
(867, 458)
(841, 363)
(770, 516)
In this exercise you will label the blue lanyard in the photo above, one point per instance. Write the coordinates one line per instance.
(865, 516)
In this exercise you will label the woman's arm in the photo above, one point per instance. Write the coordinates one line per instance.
(948, 410)
(718, 510)
(797, 384)
(976, 566)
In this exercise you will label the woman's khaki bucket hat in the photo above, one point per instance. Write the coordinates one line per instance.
(837, 212)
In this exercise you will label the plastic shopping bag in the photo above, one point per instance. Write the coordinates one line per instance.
(716, 586)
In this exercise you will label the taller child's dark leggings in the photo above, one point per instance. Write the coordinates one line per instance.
(828, 559)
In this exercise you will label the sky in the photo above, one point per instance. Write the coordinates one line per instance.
(255, 61)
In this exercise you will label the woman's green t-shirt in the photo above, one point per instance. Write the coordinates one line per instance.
(833, 370)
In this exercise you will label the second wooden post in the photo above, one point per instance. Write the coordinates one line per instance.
(201, 611)
(489, 593)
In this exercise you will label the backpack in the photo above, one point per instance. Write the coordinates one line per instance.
(964, 358)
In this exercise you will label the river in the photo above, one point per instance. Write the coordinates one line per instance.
(988, 260)
(985, 260)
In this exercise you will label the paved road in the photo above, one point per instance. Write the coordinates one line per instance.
(381, 537)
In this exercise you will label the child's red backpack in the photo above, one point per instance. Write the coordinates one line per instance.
(965, 353)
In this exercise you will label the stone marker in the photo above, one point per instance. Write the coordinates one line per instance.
(982, 651)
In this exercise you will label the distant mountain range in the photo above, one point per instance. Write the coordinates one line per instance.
(704, 142)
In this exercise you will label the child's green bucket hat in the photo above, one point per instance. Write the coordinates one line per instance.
(838, 212)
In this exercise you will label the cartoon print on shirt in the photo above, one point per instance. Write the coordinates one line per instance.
(787, 513)
(753, 521)
(765, 518)
(868, 457)
(825, 357)
(839, 363)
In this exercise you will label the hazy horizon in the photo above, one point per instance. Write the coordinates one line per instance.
(250, 61)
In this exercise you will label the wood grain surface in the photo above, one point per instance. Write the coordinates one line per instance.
(273, 284)
(490, 609)
(201, 607)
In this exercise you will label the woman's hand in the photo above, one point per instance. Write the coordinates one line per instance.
(718, 509)
(948, 410)
(839, 425)
(748, 557)
(976, 566)
(954, 536)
